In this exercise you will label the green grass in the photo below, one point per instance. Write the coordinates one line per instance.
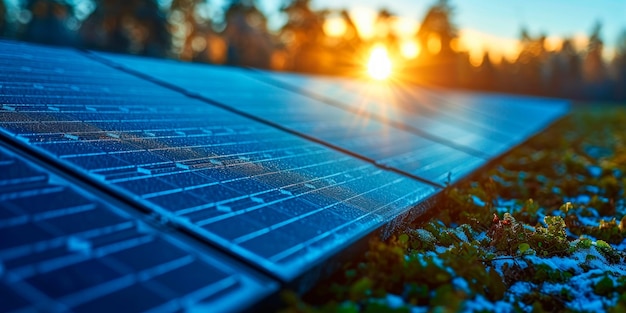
(542, 230)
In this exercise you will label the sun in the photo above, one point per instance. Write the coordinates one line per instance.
(379, 64)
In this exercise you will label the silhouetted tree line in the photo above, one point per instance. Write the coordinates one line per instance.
(239, 35)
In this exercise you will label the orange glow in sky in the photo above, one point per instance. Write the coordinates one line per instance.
(335, 27)
(474, 42)
(494, 26)
(477, 43)
(364, 20)
(409, 49)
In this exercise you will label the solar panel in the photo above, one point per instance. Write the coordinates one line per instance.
(63, 248)
(138, 184)
(360, 134)
(487, 123)
(281, 202)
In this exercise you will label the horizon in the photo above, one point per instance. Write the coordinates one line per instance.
(499, 34)
(483, 25)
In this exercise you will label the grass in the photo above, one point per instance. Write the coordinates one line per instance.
(542, 230)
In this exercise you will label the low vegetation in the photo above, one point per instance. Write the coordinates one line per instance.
(542, 230)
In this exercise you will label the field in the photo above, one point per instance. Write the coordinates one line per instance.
(543, 229)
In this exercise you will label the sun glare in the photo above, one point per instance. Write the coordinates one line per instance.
(379, 63)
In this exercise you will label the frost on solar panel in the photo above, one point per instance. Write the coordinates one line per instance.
(64, 249)
(277, 200)
(355, 131)
(489, 124)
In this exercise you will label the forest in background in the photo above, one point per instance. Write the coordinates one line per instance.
(239, 35)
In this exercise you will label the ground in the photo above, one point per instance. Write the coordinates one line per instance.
(543, 229)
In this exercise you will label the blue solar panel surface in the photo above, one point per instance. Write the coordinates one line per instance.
(273, 198)
(358, 133)
(216, 174)
(63, 248)
(486, 123)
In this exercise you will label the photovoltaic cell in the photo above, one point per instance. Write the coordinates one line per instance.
(353, 131)
(281, 202)
(487, 123)
(62, 248)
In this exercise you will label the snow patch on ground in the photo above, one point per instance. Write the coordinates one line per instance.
(419, 309)
(581, 199)
(480, 303)
(461, 284)
(580, 286)
(441, 249)
(594, 170)
(588, 221)
(394, 301)
(435, 258)
(497, 264)
(478, 201)
(556, 262)
(521, 288)
(581, 289)
(480, 236)
(460, 234)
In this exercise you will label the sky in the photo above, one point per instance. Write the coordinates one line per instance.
(495, 24)
(492, 25)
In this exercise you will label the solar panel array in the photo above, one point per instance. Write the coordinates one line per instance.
(184, 186)
(64, 248)
(360, 134)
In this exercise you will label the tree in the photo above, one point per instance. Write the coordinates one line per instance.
(437, 30)
(246, 35)
(485, 77)
(533, 65)
(193, 38)
(345, 50)
(3, 13)
(351, 35)
(593, 66)
(49, 23)
(383, 25)
(184, 27)
(438, 62)
(566, 74)
(594, 70)
(619, 64)
(127, 26)
(302, 36)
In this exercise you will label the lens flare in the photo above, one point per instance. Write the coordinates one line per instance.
(379, 64)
